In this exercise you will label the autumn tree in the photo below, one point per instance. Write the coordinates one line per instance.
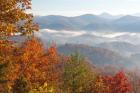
(112, 84)
(39, 65)
(118, 84)
(98, 86)
(14, 19)
(8, 66)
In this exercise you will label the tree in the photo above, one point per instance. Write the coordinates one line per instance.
(8, 66)
(39, 65)
(118, 83)
(98, 86)
(15, 19)
(77, 75)
(112, 84)
(33, 60)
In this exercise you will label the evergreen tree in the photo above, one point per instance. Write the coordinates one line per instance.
(77, 74)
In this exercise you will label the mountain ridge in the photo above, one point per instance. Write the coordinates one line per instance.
(89, 22)
(98, 56)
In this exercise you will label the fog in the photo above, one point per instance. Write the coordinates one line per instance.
(87, 37)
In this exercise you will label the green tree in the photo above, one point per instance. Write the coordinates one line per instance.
(77, 74)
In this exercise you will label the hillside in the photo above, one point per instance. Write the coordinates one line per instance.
(123, 47)
(97, 56)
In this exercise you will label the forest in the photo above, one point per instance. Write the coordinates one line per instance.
(29, 67)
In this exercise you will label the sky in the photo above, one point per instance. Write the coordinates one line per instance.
(79, 7)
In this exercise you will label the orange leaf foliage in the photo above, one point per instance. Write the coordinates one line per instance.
(14, 19)
(38, 64)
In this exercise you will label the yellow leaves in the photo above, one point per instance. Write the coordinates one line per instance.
(7, 4)
(13, 17)
(25, 57)
(6, 29)
(45, 88)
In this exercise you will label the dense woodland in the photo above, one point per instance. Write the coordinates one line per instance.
(28, 67)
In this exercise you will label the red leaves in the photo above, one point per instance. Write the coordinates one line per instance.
(117, 83)
(111, 84)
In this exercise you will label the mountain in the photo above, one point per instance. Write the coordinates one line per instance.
(68, 23)
(98, 56)
(124, 48)
(127, 23)
(54, 22)
(135, 56)
(137, 14)
(109, 16)
(90, 22)
(128, 18)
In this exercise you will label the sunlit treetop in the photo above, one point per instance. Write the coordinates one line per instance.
(15, 19)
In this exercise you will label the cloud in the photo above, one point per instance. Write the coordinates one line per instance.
(89, 38)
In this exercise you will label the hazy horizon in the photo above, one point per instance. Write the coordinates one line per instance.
(103, 14)
(80, 7)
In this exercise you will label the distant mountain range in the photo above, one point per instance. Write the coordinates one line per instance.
(100, 56)
(89, 22)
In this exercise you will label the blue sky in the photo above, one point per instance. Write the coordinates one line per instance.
(78, 7)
